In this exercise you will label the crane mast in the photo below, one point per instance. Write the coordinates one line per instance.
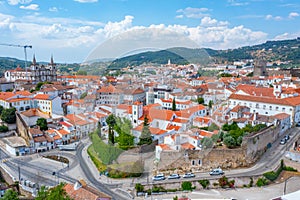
(25, 52)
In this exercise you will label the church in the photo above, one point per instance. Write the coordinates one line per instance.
(35, 73)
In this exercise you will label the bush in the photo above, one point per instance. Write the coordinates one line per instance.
(204, 183)
(139, 187)
(3, 128)
(291, 169)
(261, 182)
(271, 175)
(186, 186)
(223, 181)
(158, 189)
(251, 182)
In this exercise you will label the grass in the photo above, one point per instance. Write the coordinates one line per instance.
(106, 153)
(98, 163)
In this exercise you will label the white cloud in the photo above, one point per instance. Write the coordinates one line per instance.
(16, 2)
(271, 17)
(53, 9)
(86, 1)
(237, 3)
(73, 35)
(292, 15)
(193, 12)
(286, 36)
(30, 7)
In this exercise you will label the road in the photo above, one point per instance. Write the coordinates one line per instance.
(91, 177)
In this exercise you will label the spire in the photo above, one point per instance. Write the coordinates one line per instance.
(34, 61)
(51, 61)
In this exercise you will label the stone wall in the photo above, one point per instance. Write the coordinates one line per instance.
(257, 143)
(252, 148)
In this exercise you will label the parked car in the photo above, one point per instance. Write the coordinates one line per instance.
(283, 141)
(158, 177)
(217, 171)
(287, 137)
(188, 175)
(174, 176)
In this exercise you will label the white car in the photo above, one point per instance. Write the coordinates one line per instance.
(188, 175)
(217, 171)
(174, 176)
(158, 177)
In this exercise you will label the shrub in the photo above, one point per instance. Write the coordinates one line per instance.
(204, 183)
(175, 198)
(261, 182)
(291, 169)
(223, 181)
(186, 186)
(251, 182)
(215, 184)
(3, 128)
(139, 187)
(231, 183)
(271, 175)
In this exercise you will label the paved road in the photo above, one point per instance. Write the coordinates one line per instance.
(91, 177)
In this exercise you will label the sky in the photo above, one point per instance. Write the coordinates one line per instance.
(71, 30)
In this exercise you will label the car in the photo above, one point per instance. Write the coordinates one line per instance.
(188, 175)
(174, 176)
(283, 141)
(158, 177)
(287, 137)
(217, 171)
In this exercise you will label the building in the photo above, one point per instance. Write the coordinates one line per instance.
(35, 73)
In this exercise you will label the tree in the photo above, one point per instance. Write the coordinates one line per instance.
(10, 195)
(83, 95)
(81, 72)
(207, 142)
(229, 141)
(174, 105)
(200, 100)
(42, 123)
(9, 115)
(3, 128)
(204, 183)
(210, 103)
(111, 121)
(139, 187)
(1, 109)
(56, 193)
(186, 185)
(145, 137)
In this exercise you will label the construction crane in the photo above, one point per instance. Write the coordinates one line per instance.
(25, 52)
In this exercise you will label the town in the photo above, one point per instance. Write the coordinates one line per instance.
(144, 131)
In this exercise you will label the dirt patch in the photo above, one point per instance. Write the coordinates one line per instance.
(58, 158)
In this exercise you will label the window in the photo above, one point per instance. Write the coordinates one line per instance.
(277, 107)
(199, 162)
(270, 107)
(283, 109)
(264, 106)
(257, 105)
(193, 162)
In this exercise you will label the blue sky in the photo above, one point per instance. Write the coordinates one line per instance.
(71, 29)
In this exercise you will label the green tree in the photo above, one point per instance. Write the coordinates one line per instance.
(42, 123)
(145, 137)
(9, 115)
(210, 103)
(200, 100)
(229, 141)
(174, 104)
(111, 121)
(10, 195)
(83, 95)
(3, 128)
(1, 109)
(81, 72)
(55, 193)
(186, 186)
(204, 183)
(40, 84)
(139, 187)
(207, 142)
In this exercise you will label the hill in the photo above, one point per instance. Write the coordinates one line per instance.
(284, 50)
